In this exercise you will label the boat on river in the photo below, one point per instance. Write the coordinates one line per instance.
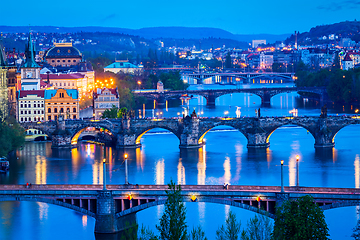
(4, 165)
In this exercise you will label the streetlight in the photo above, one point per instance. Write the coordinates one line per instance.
(282, 176)
(226, 113)
(126, 169)
(297, 170)
(139, 83)
(104, 174)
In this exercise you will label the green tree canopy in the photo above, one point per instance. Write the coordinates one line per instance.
(300, 219)
(173, 221)
(12, 136)
(228, 62)
(231, 229)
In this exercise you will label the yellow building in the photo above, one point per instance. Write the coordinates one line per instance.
(61, 101)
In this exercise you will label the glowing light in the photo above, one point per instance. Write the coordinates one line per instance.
(282, 162)
(258, 198)
(193, 198)
(129, 196)
(125, 156)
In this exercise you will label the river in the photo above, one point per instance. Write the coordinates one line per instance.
(224, 158)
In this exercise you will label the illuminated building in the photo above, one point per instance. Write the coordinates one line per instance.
(61, 101)
(3, 84)
(105, 99)
(63, 54)
(256, 43)
(123, 66)
(30, 105)
(347, 63)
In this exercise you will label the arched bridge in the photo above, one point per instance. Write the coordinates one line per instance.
(117, 206)
(264, 93)
(191, 131)
(244, 76)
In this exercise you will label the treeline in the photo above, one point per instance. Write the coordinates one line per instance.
(295, 219)
(342, 86)
(12, 136)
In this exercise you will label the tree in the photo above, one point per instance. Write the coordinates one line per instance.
(231, 229)
(197, 234)
(12, 136)
(258, 228)
(146, 234)
(173, 221)
(110, 113)
(356, 231)
(300, 219)
(228, 62)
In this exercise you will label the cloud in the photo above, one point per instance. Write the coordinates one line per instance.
(108, 18)
(337, 6)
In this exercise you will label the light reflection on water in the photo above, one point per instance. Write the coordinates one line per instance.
(224, 158)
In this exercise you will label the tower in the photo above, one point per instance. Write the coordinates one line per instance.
(30, 70)
(3, 84)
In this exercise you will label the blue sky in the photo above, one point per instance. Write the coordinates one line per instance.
(236, 16)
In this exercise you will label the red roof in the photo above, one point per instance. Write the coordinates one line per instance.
(62, 76)
(112, 90)
(347, 57)
(24, 93)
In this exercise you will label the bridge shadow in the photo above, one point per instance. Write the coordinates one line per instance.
(325, 154)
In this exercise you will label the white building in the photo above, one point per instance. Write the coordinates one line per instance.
(123, 66)
(266, 60)
(31, 105)
(105, 99)
(347, 63)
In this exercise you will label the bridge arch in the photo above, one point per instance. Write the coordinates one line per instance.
(203, 132)
(340, 204)
(49, 201)
(200, 199)
(336, 131)
(143, 131)
(258, 97)
(289, 123)
(75, 136)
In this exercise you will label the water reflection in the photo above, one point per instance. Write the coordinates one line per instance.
(201, 166)
(40, 169)
(181, 173)
(160, 172)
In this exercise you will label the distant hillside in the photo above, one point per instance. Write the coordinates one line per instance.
(153, 32)
(348, 29)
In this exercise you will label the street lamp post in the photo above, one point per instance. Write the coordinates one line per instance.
(104, 170)
(297, 170)
(282, 176)
(126, 169)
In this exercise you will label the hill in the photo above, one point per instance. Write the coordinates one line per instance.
(153, 32)
(348, 29)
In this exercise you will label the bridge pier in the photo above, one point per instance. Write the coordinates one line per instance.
(210, 99)
(324, 137)
(189, 137)
(106, 221)
(61, 141)
(127, 141)
(265, 100)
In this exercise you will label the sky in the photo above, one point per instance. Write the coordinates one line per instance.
(235, 16)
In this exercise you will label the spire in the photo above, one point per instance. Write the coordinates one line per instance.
(30, 54)
(3, 62)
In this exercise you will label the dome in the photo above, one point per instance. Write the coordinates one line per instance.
(63, 50)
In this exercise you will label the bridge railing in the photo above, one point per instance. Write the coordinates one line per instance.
(183, 187)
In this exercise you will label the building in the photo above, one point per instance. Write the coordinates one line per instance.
(347, 63)
(123, 66)
(79, 81)
(61, 101)
(105, 99)
(266, 60)
(3, 85)
(63, 54)
(256, 43)
(30, 70)
(30, 106)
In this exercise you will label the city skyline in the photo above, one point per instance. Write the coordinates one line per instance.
(238, 17)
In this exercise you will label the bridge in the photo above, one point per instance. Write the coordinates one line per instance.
(247, 77)
(127, 133)
(115, 206)
(210, 95)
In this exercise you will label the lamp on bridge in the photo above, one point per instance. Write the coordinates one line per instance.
(297, 170)
(282, 176)
(104, 174)
(126, 169)
(193, 198)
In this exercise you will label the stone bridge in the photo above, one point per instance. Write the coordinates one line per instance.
(210, 95)
(190, 131)
(115, 207)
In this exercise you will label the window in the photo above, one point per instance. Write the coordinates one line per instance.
(63, 60)
(42, 111)
(29, 111)
(58, 60)
(69, 60)
(61, 110)
(55, 84)
(74, 117)
(55, 110)
(49, 118)
(21, 105)
(74, 60)
(74, 109)
(49, 110)
(25, 119)
(42, 105)
(21, 112)
(22, 119)
(55, 118)
(73, 84)
(60, 84)
(25, 112)
(68, 110)
(53, 61)
(25, 105)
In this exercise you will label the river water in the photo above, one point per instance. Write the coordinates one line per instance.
(224, 158)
